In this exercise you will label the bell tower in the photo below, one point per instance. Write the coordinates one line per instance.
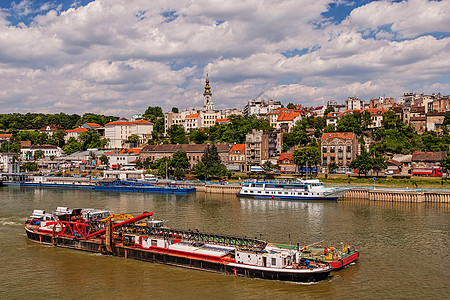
(207, 95)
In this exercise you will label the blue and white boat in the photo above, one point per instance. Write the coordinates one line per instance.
(311, 189)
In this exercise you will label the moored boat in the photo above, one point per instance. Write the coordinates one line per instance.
(149, 240)
(312, 189)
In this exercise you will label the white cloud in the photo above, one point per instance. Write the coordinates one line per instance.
(118, 57)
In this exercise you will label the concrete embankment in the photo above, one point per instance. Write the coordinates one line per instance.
(399, 195)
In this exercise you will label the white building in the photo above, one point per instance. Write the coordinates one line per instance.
(49, 150)
(259, 107)
(74, 133)
(118, 132)
(354, 103)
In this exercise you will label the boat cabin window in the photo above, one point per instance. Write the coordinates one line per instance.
(274, 261)
(154, 243)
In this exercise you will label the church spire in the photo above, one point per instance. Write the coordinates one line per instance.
(207, 95)
(207, 87)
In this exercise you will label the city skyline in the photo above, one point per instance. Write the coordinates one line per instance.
(119, 57)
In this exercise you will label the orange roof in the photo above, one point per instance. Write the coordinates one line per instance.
(374, 111)
(94, 125)
(5, 135)
(237, 148)
(341, 135)
(287, 116)
(222, 120)
(108, 152)
(79, 129)
(192, 116)
(284, 156)
(130, 151)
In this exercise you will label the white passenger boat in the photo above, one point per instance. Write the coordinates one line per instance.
(312, 189)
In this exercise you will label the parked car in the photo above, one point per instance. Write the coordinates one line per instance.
(390, 172)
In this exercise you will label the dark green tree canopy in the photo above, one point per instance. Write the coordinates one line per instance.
(177, 134)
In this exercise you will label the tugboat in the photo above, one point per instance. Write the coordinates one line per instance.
(145, 239)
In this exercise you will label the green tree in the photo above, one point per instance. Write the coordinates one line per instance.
(378, 163)
(72, 146)
(210, 165)
(92, 139)
(198, 136)
(38, 154)
(29, 166)
(179, 164)
(268, 166)
(163, 167)
(175, 110)
(291, 106)
(133, 139)
(362, 162)
(177, 135)
(349, 123)
(332, 167)
(307, 156)
(328, 110)
(104, 160)
(390, 120)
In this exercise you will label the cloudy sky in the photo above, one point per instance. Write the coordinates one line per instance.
(120, 56)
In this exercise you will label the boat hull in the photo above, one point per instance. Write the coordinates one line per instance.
(334, 198)
(168, 257)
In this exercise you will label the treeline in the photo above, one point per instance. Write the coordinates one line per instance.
(16, 121)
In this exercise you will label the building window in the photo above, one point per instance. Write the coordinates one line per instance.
(324, 149)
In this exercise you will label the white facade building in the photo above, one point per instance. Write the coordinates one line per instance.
(118, 132)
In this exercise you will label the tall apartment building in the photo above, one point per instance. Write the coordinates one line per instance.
(354, 103)
(339, 148)
(261, 146)
(118, 132)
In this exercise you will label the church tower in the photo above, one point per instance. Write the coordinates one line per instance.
(207, 96)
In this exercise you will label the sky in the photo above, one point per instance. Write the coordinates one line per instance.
(117, 57)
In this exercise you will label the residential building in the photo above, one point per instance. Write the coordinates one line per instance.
(74, 133)
(340, 148)
(419, 124)
(48, 150)
(427, 159)
(125, 158)
(236, 158)
(194, 152)
(5, 137)
(376, 115)
(260, 107)
(261, 146)
(6, 161)
(118, 132)
(191, 122)
(354, 103)
(50, 129)
(435, 121)
(286, 163)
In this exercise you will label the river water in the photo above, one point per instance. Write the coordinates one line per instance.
(404, 248)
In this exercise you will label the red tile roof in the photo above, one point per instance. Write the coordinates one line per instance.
(287, 116)
(340, 135)
(130, 151)
(192, 116)
(5, 135)
(284, 156)
(222, 120)
(79, 129)
(238, 148)
(94, 125)
(374, 111)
